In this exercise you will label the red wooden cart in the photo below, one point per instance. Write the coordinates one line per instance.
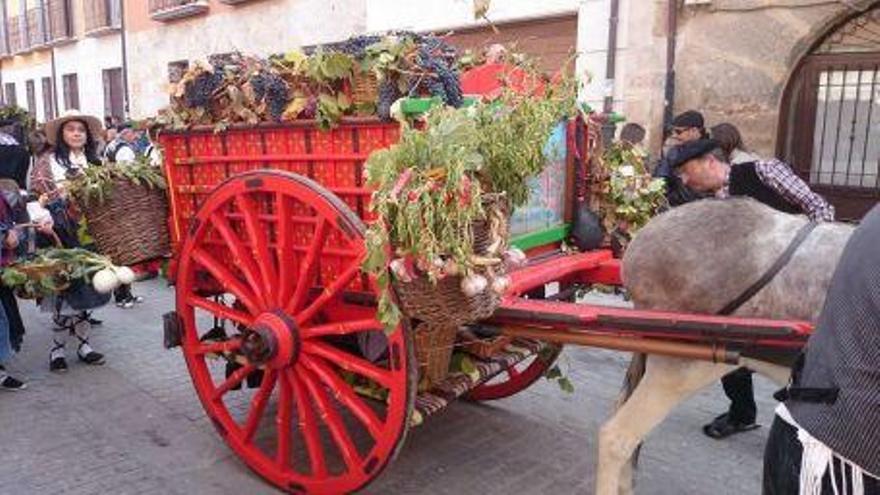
(278, 324)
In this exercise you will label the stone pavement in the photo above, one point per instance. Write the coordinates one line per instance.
(135, 426)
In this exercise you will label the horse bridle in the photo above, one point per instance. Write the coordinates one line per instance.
(765, 279)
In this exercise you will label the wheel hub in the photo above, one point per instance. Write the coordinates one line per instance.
(274, 341)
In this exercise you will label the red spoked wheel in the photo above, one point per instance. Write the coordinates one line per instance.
(517, 377)
(288, 358)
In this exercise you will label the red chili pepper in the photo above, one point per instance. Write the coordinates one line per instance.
(401, 182)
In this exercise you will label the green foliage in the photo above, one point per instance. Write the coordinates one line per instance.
(95, 184)
(50, 271)
(630, 195)
(513, 133)
(425, 198)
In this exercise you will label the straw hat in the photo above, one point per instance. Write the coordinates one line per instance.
(95, 126)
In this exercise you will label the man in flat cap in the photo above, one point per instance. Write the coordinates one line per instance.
(686, 127)
(700, 166)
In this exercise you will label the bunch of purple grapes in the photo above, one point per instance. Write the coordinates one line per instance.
(388, 94)
(273, 90)
(199, 91)
(356, 46)
(442, 78)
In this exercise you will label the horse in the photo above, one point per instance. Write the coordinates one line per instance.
(697, 258)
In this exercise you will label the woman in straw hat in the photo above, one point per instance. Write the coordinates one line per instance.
(73, 138)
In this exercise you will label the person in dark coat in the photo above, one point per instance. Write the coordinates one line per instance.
(826, 436)
(686, 127)
(701, 166)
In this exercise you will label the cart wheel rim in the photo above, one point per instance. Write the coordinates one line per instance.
(516, 378)
(269, 240)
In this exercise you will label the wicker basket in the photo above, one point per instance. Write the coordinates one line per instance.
(130, 226)
(444, 303)
(364, 88)
(434, 345)
(484, 348)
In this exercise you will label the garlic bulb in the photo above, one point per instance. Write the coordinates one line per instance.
(105, 281)
(124, 274)
(473, 285)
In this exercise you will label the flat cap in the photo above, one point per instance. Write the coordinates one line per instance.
(679, 155)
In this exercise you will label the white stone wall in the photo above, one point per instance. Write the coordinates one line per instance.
(427, 15)
(20, 75)
(88, 58)
(274, 27)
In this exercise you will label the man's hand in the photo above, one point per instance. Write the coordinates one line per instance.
(45, 227)
(11, 240)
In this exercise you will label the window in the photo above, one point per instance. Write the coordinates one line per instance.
(102, 15)
(176, 70)
(31, 90)
(114, 99)
(48, 99)
(71, 91)
(9, 93)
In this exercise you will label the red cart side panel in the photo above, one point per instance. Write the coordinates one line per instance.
(199, 160)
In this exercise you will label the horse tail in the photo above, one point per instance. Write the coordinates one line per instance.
(631, 380)
(633, 377)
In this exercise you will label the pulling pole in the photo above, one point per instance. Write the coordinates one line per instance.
(702, 352)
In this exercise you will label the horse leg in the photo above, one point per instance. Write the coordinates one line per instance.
(778, 374)
(666, 383)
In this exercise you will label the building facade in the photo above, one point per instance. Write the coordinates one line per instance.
(797, 77)
(62, 54)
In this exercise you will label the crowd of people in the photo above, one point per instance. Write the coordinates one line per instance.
(37, 211)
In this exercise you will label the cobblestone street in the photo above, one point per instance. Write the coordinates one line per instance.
(135, 426)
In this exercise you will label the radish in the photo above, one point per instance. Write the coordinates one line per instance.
(125, 275)
(473, 285)
(515, 257)
(450, 267)
(105, 281)
(398, 268)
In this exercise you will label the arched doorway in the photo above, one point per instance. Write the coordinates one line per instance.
(830, 128)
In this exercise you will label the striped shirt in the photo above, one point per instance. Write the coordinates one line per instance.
(779, 176)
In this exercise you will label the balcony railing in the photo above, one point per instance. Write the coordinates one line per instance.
(168, 10)
(102, 16)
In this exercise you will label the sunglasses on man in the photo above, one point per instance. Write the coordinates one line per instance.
(679, 130)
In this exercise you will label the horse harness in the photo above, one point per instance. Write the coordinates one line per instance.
(792, 391)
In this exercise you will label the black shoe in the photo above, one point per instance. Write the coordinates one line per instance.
(232, 367)
(94, 321)
(255, 379)
(58, 365)
(724, 426)
(12, 384)
(88, 355)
